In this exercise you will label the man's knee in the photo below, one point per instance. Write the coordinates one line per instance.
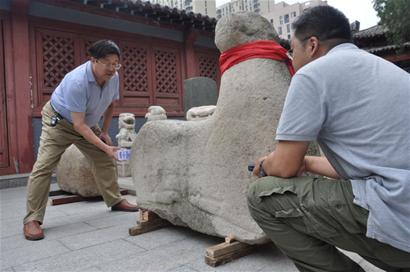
(258, 190)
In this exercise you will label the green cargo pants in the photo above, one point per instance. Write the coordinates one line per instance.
(53, 142)
(307, 218)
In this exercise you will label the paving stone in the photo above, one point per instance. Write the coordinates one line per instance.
(10, 227)
(37, 250)
(92, 269)
(115, 219)
(87, 206)
(160, 237)
(161, 259)
(83, 259)
(52, 233)
(182, 268)
(98, 238)
(92, 238)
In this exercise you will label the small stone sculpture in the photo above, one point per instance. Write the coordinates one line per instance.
(200, 113)
(125, 138)
(156, 113)
(126, 135)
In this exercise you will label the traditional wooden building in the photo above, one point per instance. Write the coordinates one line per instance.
(374, 41)
(42, 40)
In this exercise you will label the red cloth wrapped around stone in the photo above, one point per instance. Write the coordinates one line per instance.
(263, 49)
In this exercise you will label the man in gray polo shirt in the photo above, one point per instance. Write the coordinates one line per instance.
(71, 117)
(357, 107)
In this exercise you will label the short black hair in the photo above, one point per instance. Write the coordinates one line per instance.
(102, 48)
(323, 22)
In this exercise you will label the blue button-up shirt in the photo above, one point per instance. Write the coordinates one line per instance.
(79, 92)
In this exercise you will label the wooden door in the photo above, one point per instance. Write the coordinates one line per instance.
(4, 146)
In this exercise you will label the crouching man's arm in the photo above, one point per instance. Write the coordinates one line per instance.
(289, 160)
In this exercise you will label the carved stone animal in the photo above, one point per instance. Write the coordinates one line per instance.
(195, 174)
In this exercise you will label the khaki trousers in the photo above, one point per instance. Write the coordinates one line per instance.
(307, 218)
(53, 142)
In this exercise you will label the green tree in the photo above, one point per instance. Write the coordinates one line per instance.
(395, 17)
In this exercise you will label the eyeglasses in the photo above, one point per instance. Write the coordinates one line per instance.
(117, 66)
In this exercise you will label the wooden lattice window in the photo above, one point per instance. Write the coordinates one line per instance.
(58, 59)
(135, 69)
(87, 44)
(208, 66)
(166, 72)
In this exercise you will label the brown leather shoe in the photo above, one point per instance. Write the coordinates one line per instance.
(125, 206)
(33, 231)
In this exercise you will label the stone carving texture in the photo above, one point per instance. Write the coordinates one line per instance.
(156, 113)
(195, 173)
(200, 113)
(74, 174)
(125, 137)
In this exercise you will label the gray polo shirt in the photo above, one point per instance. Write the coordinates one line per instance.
(79, 92)
(357, 106)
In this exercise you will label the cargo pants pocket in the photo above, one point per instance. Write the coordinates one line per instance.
(292, 210)
(291, 204)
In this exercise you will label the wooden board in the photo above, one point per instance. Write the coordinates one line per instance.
(227, 251)
(147, 221)
(60, 197)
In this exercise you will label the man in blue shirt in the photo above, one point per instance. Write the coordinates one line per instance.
(71, 117)
(357, 107)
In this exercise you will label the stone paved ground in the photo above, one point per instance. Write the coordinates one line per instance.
(87, 236)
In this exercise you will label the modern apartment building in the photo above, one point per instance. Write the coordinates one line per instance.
(283, 15)
(258, 6)
(205, 7)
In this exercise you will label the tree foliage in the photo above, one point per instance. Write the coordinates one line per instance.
(395, 17)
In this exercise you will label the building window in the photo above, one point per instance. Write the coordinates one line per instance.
(280, 30)
(280, 20)
(293, 14)
(288, 36)
(286, 18)
(271, 21)
(288, 28)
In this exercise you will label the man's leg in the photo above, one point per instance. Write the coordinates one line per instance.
(53, 142)
(276, 208)
(104, 171)
(307, 217)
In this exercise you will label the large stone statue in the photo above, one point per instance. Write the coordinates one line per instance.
(194, 173)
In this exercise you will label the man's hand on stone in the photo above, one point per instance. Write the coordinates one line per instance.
(112, 151)
(105, 138)
(257, 168)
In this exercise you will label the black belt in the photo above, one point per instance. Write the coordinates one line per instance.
(55, 112)
(56, 118)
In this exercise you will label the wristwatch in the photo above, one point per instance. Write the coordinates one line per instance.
(261, 173)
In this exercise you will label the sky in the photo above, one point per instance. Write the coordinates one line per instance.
(360, 10)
